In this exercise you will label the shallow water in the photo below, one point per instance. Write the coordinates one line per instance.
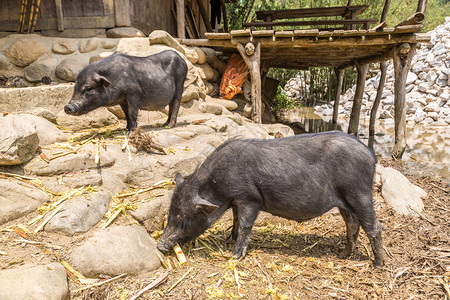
(427, 151)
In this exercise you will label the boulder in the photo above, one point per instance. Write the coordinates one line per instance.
(163, 37)
(18, 140)
(25, 51)
(208, 71)
(211, 108)
(17, 200)
(116, 250)
(88, 45)
(201, 55)
(228, 104)
(112, 182)
(68, 163)
(184, 163)
(80, 214)
(108, 44)
(400, 193)
(79, 180)
(97, 57)
(63, 47)
(47, 132)
(151, 214)
(35, 282)
(124, 32)
(40, 68)
(43, 113)
(99, 117)
(69, 68)
(190, 93)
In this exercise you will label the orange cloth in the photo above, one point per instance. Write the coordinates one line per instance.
(233, 78)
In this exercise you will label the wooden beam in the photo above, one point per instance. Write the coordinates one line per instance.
(204, 14)
(385, 11)
(122, 13)
(340, 78)
(415, 19)
(309, 23)
(252, 56)
(403, 55)
(357, 101)
(181, 22)
(59, 15)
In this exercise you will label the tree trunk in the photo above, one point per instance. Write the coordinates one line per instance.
(376, 103)
(356, 109)
(403, 55)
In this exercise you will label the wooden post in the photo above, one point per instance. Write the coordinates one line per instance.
(122, 14)
(224, 15)
(340, 78)
(204, 14)
(252, 55)
(357, 101)
(376, 103)
(421, 6)
(181, 22)
(385, 11)
(403, 55)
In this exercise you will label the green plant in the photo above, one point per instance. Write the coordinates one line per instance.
(283, 101)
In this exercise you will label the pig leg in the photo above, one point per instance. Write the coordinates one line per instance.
(174, 106)
(352, 232)
(246, 215)
(131, 115)
(234, 230)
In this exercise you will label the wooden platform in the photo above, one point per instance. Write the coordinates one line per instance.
(301, 49)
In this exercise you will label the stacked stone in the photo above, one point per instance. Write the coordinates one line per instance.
(427, 86)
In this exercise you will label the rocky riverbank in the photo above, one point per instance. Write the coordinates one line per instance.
(427, 86)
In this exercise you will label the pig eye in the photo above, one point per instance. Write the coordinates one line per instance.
(89, 88)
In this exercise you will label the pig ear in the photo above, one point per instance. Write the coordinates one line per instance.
(179, 179)
(101, 80)
(204, 205)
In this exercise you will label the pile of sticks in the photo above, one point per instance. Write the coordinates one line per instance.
(32, 16)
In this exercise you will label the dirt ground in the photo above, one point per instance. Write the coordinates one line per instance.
(285, 260)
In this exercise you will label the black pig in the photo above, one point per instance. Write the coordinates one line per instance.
(148, 83)
(298, 178)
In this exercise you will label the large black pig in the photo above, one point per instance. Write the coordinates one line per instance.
(148, 83)
(297, 178)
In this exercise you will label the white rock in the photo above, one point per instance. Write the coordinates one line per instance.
(432, 107)
(411, 78)
(400, 193)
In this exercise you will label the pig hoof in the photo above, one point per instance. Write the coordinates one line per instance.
(378, 262)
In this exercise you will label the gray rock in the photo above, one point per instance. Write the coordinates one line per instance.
(273, 129)
(228, 104)
(112, 182)
(17, 200)
(34, 282)
(69, 68)
(5, 64)
(68, 163)
(184, 163)
(88, 45)
(43, 113)
(400, 193)
(18, 140)
(63, 47)
(40, 68)
(25, 51)
(211, 108)
(124, 32)
(79, 180)
(80, 214)
(97, 57)
(221, 124)
(151, 214)
(47, 132)
(99, 117)
(108, 44)
(116, 250)
(190, 93)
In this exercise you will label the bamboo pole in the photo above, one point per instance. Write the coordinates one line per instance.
(33, 3)
(23, 11)
(36, 13)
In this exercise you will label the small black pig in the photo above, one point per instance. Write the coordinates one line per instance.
(298, 178)
(148, 83)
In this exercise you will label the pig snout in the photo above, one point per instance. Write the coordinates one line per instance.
(70, 109)
(163, 247)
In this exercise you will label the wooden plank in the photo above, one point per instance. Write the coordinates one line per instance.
(218, 35)
(92, 8)
(4, 13)
(181, 22)
(59, 15)
(325, 34)
(407, 29)
(415, 19)
(122, 14)
(263, 33)
(383, 31)
(72, 8)
(204, 15)
(242, 32)
(77, 23)
(310, 12)
(284, 34)
(306, 32)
